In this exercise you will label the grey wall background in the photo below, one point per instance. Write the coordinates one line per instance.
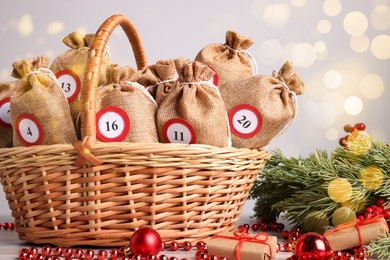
(340, 48)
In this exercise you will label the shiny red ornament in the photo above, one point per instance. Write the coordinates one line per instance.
(313, 246)
(145, 241)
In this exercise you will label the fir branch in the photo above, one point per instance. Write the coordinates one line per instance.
(380, 248)
(299, 185)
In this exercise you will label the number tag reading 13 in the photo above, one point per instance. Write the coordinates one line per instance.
(112, 124)
(245, 121)
(69, 83)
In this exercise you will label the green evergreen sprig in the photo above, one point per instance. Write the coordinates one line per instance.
(298, 186)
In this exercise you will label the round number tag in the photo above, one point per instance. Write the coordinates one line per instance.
(29, 130)
(215, 78)
(177, 130)
(112, 124)
(69, 83)
(245, 121)
(5, 118)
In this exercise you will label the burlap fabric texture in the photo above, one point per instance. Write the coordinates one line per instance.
(198, 103)
(125, 93)
(159, 79)
(231, 60)
(38, 95)
(5, 117)
(74, 60)
(271, 101)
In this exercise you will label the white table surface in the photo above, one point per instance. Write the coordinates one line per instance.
(10, 243)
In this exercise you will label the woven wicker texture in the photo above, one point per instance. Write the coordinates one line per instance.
(185, 192)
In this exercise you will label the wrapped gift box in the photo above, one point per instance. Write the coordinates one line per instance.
(354, 234)
(243, 245)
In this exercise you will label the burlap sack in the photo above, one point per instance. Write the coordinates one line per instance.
(5, 117)
(159, 79)
(231, 60)
(70, 66)
(193, 111)
(261, 107)
(133, 109)
(39, 110)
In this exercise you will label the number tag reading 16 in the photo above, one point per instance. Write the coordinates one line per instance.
(112, 124)
(245, 121)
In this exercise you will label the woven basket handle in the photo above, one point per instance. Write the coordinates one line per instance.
(89, 92)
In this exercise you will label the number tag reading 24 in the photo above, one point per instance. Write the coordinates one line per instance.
(5, 118)
(69, 83)
(112, 124)
(178, 130)
(245, 121)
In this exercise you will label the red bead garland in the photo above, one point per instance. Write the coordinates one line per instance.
(7, 226)
(58, 253)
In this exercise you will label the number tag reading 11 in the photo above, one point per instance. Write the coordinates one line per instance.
(5, 118)
(178, 130)
(112, 124)
(245, 121)
(29, 130)
(69, 83)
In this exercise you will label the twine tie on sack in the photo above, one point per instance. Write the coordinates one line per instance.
(252, 59)
(162, 82)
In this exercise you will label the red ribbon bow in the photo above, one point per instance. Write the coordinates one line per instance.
(243, 237)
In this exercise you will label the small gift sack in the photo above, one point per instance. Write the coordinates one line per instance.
(39, 110)
(231, 60)
(69, 68)
(5, 117)
(126, 110)
(261, 107)
(193, 111)
(159, 79)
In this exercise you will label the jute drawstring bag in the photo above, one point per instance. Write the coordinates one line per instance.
(69, 68)
(231, 60)
(193, 111)
(39, 110)
(5, 117)
(126, 110)
(159, 79)
(261, 107)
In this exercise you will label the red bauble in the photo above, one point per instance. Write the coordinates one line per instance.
(145, 241)
(313, 246)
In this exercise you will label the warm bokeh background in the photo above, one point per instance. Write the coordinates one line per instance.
(340, 48)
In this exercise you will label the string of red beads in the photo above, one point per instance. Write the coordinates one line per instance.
(49, 253)
(7, 226)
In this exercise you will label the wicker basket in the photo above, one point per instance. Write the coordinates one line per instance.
(98, 194)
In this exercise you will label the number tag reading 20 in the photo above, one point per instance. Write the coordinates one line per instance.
(245, 121)
(113, 124)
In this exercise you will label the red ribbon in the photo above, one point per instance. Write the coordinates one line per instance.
(357, 225)
(244, 237)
